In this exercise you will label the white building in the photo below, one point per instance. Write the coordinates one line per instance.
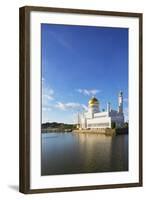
(93, 118)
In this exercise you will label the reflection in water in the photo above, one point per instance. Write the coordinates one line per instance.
(68, 153)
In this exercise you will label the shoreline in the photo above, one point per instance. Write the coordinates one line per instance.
(106, 131)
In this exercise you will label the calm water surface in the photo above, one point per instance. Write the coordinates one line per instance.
(69, 153)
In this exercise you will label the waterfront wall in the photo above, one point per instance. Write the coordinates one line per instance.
(107, 131)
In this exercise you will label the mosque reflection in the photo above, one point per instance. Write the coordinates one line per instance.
(83, 153)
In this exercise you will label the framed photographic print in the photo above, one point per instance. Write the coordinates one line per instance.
(80, 99)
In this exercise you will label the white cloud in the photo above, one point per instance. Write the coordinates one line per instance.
(60, 105)
(70, 106)
(87, 92)
(85, 107)
(47, 96)
(46, 108)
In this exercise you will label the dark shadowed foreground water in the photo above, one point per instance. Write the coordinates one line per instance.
(69, 153)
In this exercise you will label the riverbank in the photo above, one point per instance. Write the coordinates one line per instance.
(51, 127)
(55, 130)
(106, 131)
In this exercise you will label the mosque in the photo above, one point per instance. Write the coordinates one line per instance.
(93, 118)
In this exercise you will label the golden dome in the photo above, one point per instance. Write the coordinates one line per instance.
(93, 101)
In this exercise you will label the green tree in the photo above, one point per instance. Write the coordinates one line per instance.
(126, 125)
(113, 125)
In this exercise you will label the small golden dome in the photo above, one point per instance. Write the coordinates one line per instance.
(93, 101)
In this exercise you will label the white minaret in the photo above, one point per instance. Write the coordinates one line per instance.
(108, 107)
(78, 121)
(120, 102)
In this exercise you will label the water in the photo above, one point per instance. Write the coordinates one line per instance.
(69, 153)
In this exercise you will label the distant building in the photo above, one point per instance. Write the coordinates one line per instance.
(93, 118)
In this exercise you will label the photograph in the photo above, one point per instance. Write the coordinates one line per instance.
(84, 99)
(80, 99)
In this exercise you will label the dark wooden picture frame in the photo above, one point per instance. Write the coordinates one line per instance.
(24, 141)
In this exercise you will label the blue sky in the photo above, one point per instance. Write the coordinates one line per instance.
(79, 62)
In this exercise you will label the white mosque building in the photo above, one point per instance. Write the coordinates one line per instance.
(93, 118)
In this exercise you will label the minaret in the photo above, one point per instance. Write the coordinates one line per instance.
(108, 107)
(78, 121)
(120, 102)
